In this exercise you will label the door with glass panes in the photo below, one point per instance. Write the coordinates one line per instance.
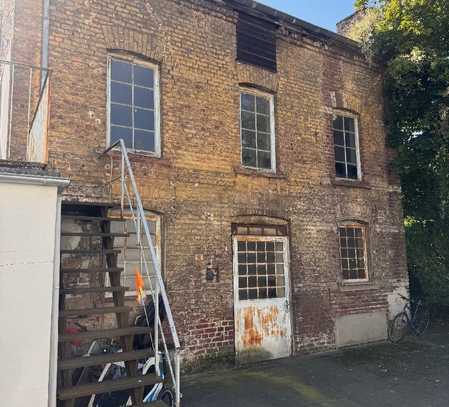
(262, 290)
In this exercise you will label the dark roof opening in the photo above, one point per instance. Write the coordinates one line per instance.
(256, 42)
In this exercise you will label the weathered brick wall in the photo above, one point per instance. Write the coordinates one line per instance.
(198, 184)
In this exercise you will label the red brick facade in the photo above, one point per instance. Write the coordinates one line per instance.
(199, 185)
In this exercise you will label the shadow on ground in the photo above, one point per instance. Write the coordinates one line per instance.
(414, 374)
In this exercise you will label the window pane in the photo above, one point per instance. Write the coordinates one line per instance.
(340, 170)
(143, 97)
(263, 141)
(121, 93)
(121, 115)
(337, 123)
(349, 124)
(249, 157)
(351, 156)
(352, 171)
(340, 154)
(263, 123)
(143, 119)
(143, 76)
(144, 140)
(248, 120)
(249, 138)
(248, 102)
(264, 160)
(121, 71)
(241, 246)
(124, 133)
(263, 105)
(350, 140)
(339, 138)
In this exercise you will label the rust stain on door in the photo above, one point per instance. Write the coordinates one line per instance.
(260, 324)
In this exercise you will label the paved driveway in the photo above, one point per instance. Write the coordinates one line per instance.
(413, 374)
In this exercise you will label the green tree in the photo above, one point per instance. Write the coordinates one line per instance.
(410, 38)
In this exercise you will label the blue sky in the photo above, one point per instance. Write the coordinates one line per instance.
(324, 13)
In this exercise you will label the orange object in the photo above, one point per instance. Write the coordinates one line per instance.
(140, 286)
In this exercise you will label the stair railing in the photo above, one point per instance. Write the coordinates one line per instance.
(131, 202)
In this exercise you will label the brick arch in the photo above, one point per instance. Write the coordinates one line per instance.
(259, 220)
(135, 42)
(260, 78)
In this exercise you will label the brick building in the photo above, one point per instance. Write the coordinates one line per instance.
(258, 145)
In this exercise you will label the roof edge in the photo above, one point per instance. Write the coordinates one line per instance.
(279, 17)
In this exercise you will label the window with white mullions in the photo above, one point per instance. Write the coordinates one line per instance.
(353, 252)
(261, 269)
(347, 158)
(257, 131)
(133, 105)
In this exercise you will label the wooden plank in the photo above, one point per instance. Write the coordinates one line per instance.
(76, 313)
(92, 290)
(91, 252)
(105, 333)
(108, 386)
(94, 234)
(92, 218)
(86, 361)
(93, 270)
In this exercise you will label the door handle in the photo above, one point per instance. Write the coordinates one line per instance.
(287, 305)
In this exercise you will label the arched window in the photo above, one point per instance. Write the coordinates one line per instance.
(353, 251)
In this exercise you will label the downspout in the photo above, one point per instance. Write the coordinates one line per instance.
(45, 39)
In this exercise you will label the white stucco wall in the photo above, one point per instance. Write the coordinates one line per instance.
(28, 216)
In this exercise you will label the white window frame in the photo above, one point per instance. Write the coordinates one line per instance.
(157, 109)
(364, 228)
(354, 116)
(270, 98)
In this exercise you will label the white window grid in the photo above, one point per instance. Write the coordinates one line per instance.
(355, 149)
(353, 252)
(272, 137)
(156, 101)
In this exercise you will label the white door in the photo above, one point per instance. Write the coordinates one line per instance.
(261, 298)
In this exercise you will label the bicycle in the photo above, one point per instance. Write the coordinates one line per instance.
(116, 370)
(415, 317)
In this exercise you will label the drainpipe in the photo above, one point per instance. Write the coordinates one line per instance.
(45, 37)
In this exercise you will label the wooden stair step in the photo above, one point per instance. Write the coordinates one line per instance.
(126, 383)
(94, 234)
(92, 218)
(93, 270)
(91, 290)
(104, 333)
(75, 313)
(86, 361)
(91, 252)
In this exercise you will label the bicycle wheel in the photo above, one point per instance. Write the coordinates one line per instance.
(398, 328)
(167, 396)
(421, 319)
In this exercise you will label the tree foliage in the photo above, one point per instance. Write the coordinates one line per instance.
(410, 38)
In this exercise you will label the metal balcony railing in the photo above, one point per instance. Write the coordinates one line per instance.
(24, 112)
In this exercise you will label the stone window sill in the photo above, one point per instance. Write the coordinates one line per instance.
(239, 170)
(350, 183)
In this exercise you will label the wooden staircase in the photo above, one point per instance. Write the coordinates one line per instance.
(99, 249)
